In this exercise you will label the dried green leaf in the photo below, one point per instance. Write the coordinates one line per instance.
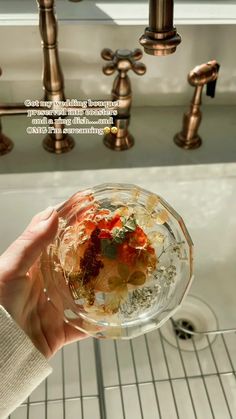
(108, 248)
(137, 278)
(130, 224)
(118, 235)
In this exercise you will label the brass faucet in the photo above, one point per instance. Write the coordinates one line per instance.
(161, 37)
(204, 74)
(53, 81)
(119, 137)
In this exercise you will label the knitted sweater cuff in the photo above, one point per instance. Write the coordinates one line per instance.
(22, 366)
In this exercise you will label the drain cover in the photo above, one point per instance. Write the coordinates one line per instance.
(186, 325)
(194, 315)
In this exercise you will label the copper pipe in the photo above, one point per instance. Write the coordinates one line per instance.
(161, 37)
(205, 74)
(53, 81)
(14, 109)
(119, 137)
(160, 15)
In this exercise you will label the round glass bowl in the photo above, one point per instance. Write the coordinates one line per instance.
(121, 262)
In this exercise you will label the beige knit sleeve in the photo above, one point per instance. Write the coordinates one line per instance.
(22, 366)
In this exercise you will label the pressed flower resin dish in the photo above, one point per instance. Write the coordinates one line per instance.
(121, 262)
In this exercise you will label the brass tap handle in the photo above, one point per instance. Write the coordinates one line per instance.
(121, 60)
(205, 74)
(6, 145)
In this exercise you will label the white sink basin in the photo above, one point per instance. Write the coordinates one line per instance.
(121, 383)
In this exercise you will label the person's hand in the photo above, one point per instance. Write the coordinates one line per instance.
(23, 296)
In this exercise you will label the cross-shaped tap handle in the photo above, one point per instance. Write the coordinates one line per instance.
(123, 60)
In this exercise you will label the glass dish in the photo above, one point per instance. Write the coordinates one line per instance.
(121, 262)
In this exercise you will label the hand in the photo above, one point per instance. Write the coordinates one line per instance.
(23, 296)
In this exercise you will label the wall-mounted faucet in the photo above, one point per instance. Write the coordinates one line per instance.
(204, 74)
(161, 37)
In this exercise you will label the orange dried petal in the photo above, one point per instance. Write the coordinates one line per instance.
(138, 238)
(127, 254)
(104, 234)
(103, 212)
(89, 226)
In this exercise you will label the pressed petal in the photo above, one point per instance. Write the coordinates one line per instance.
(138, 238)
(137, 278)
(127, 254)
(135, 194)
(123, 271)
(115, 222)
(89, 226)
(114, 300)
(152, 202)
(103, 212)
(125, 211)
(156, 237)
(122, 292)
(100, 284)
(105, 234)
(150, 222)
(114, 282)
(103, 224)
(162, 217)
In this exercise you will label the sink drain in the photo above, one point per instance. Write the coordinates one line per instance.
(194, 316)
(186, 325)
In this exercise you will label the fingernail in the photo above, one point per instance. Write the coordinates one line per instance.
(46, 214)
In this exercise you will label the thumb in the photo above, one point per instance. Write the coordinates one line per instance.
(21, 254)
